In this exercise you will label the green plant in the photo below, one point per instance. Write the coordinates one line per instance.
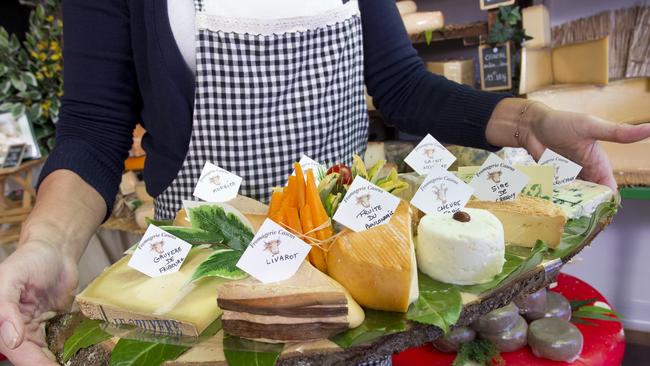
(31, 81)
(507, 27)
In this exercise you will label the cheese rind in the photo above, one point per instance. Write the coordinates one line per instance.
(582, 63)
(527, 219)
(377, 265)
(537, 24)
(462, 253)
(123, 290)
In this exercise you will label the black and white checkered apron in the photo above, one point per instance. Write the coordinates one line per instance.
(269, 91)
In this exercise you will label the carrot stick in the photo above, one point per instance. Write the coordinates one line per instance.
(316, 254)
(300, 184)
(293, 220)
(276, 201)
(319, 216)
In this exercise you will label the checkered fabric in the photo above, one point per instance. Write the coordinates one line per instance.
(262, 101)
(198, 5)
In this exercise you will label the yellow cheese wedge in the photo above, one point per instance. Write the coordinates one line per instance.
(537, 24)
(406, 7)
(527, 219)
(417, 23)
(536, 69)
(582, 63)
(378, 265)
(167, 304)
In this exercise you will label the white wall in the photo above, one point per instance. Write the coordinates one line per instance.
(618, 264)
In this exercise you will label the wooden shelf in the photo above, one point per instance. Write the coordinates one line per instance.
(470, 33)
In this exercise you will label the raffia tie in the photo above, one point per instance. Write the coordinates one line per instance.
(323, 245)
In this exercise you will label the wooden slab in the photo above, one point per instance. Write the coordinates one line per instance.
(327, 353)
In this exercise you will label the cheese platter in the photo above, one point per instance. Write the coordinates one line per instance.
(358, 293)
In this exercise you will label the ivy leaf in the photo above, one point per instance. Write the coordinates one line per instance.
(237, 235)
(4, 86)
(222, 263)
(243, 352)
(376, 324)
(129, 352)
(3, 69)
(6, 106)
(428, 36)
(88, 333)
(439, 304)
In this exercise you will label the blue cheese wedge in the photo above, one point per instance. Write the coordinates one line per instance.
(580, 198)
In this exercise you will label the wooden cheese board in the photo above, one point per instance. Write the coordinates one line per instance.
(326, 352)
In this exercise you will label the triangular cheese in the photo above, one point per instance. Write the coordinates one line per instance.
(378, 265)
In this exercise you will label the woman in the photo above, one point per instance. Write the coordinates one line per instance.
(263, 92)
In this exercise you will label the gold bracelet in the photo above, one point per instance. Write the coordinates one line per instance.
(521, 117)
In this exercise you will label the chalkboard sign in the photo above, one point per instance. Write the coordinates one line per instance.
(14, 156)
(489, 4)
(496, 73)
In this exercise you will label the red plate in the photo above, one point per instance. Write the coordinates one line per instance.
(604, 342)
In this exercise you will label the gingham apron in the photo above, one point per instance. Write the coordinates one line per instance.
(269, 91)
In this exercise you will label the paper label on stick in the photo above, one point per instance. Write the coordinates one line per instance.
(429, 154)
(365, 206)
(274, 255)
(441, 192)
(565, 170)
(497, 180)
(217, 184)
(307, 163)
(159, 253)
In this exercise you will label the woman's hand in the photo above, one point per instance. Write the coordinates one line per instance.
(35, 281)
(40, 277)
(572, 135)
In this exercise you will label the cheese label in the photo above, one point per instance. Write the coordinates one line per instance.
(217, 184)
(307, 163)
(365, 206)
(565, 170)
(441, 192)
(429, 154)
(497, 180)
(274, 254)
(159, 253)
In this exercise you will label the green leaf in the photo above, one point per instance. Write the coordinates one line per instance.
(153, 222)
(576, 231)
(576, 304)
(512, 268)
(590, 315)
(88, 333)
(29, 78)
(4, 86)
(480, 352)
(439, 304)
(222, 263)
(138, 353)
(17, 110)
(237, 235)
(3, 69)
(18, 83)
(428, 36)
(243, 352)
(6, 106)
(376, 324)
(599, 310)
(194, 236)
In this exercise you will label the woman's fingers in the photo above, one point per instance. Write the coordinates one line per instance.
(27, 354)
(600, 129)
(12, 327)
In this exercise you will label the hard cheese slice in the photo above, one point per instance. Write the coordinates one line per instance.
(308, 306)
(582, 63)
(378, 265)
(527, 219)
(167, 305)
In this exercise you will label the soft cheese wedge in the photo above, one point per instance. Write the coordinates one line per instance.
(527, 219)
(378, 265)
(167, 305)
(580, 198)
(308, 306)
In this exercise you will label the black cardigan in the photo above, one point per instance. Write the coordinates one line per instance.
(122, 65)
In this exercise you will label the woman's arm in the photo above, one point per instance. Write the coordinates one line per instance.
(80, 178)
(417, 101)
